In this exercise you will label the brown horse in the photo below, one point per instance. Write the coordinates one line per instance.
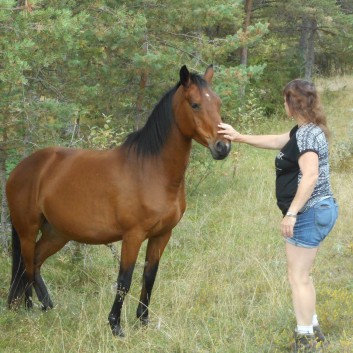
(131, 193)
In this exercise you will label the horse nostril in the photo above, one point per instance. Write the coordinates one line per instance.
(221, 147)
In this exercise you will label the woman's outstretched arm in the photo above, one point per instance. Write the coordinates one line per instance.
(275, 142)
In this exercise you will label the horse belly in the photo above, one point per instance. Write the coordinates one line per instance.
(85, 233)
(85, 221)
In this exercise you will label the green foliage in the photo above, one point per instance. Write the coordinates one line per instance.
(230, 83)
(200, 167)
(105, 137)
(34, 51)
(283, 48)
(56, 68)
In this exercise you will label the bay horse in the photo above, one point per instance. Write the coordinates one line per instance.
(130, 193)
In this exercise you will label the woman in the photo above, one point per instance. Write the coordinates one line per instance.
(304, 196)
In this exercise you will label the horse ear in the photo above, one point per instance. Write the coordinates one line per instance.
(209, 74)
(185, 76)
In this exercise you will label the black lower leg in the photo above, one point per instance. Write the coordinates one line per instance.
(42, 292)
(149, 277)
(21, 288)
(28, 296)
(14, 294)
(123, 286)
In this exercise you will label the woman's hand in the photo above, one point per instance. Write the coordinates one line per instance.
(229, 132)
(287, 226)
(260, 141)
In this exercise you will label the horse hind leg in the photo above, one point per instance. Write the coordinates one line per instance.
(47, 245)
(22, 269)
(155, 248)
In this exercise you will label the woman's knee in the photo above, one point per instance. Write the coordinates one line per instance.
(299, 278)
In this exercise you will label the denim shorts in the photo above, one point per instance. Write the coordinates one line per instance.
(313, 225)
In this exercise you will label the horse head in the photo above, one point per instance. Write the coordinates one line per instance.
(197, 111)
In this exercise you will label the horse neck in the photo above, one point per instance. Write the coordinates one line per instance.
(175, 156)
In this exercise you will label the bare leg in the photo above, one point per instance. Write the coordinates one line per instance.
(300, 261)
(154, 252)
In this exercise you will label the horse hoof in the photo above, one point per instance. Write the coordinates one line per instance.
(118, 331)
(46, 307)
(144, 321)
(28, 304)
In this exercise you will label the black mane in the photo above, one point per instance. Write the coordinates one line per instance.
(150, 139)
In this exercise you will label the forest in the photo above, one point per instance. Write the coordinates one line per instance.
(86, 73)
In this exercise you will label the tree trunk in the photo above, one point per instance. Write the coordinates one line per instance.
(307, 45)
(244, 50)
(310, 54)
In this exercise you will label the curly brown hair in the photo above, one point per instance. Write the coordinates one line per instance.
(303, 100)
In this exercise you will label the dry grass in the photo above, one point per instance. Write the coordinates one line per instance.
(222, 283)
(337, 97)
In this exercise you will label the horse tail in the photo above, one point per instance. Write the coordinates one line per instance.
(19, 282)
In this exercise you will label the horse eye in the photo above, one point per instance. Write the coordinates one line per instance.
(195, 106)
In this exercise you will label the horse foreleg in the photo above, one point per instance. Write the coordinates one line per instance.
(129, 252)
(154, 252)
(47, 245)
(42, 292)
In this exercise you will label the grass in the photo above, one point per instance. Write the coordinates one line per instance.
(222, 283)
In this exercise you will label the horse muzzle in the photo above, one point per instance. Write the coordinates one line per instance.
(220, 149)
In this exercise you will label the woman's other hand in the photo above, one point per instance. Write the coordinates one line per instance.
(287, 226)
